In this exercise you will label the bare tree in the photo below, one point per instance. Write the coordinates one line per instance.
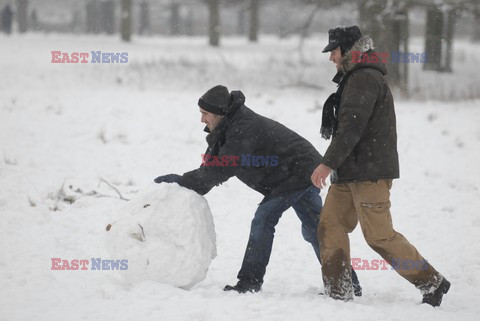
(6, 17)
(175, 20)
(471, 7)
(433, 38)
(189, 21)
(214, 27)
(396, 27)
(34, 25)
(440, 29)
(93, 17)
(22, 15)
(476, 25)
(126, 20)
(372, 20)
(451, 16)
(254, 20)
(107, 16)
(304, 28)
(144, 17)
(386, 22)
(214, 22)
(242, 10)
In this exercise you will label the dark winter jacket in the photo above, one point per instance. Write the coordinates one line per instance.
(286, 159)
(365, 145)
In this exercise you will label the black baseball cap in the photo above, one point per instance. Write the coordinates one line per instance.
(343, 37)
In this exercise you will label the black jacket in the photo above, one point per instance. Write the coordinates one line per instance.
(289, 159)
(365, 145)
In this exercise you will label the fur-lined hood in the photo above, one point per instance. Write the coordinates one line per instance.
(363, 45)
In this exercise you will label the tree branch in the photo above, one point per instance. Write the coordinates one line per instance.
(112, 187)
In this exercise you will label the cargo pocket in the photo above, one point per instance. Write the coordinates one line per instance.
(376, 221)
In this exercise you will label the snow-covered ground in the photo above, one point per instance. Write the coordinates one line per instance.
(66, 130)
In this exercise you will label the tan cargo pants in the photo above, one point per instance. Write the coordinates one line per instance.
(369, 204)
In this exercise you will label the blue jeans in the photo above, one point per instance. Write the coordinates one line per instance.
(307, 204)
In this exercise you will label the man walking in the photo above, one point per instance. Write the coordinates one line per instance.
(266, 156)
(362, 160)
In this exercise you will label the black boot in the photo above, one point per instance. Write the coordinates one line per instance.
(242, 287)
(357, 289)
(435, 298)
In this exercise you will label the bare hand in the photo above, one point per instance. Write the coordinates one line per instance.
(320, 174)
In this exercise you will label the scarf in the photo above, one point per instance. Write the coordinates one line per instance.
(331, 107)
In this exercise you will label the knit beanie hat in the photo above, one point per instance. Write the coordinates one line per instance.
(216, 100)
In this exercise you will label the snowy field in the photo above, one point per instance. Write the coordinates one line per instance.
(64, 128)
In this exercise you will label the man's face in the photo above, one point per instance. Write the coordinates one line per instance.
(209, 119)
(336, 58)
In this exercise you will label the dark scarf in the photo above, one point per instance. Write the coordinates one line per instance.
(331, 106)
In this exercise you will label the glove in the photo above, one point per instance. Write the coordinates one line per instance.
(170, 178)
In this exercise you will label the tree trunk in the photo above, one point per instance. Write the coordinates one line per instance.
(214, 23)
(189, 22)
(93, 18)
(433, 39)
(449, 33)
(144, 18)
(34, 25)
(76, 25)
(174, 18)
(440, 30)
(241, 21)
(283, 23)
(396, 43)
(254, 21)
(126, 20)
(405, 38)
(107, 16)
(476, 25)
(371, 14)
(22, 15)
(388, 28)
(392, 46)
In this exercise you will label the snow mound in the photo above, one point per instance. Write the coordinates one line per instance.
(167, 234)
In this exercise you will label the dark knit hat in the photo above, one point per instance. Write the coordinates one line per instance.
(216, 100)
(343, 37)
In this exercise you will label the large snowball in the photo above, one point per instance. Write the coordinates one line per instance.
(167, 234)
